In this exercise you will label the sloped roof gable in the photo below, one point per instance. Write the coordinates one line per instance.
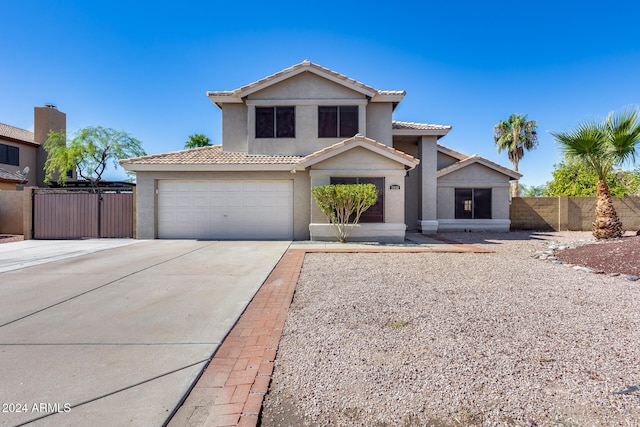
(15, 134)
(476, 159)
(359, 141)
(235, 96)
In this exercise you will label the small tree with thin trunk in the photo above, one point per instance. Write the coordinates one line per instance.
(88, 152)
(343, 204)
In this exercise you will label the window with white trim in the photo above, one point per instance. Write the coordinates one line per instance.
(473, 203)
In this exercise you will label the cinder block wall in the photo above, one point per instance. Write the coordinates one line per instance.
(568, 213)
(11, 208)
(534, 213)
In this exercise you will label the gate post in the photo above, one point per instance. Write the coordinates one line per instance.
(27, 213)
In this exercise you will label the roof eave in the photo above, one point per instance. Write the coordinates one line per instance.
(420, 132)
(206, 167)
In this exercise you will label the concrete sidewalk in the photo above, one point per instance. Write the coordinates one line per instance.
(117, 336)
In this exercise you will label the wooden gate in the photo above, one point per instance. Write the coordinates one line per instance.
(75, 213)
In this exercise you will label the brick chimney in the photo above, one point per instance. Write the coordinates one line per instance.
(45, 119)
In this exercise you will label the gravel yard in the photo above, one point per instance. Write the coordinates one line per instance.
(460, 339)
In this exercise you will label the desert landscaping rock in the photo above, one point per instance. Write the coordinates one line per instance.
(496, 339)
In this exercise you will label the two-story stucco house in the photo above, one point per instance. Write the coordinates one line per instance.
(307, 126)
(22, 150)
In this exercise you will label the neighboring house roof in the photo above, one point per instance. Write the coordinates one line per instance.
(11, 177)
(235, 96)
(410, 162)
(479, 160)
(15, 134)
(418, 129)
(208, 158)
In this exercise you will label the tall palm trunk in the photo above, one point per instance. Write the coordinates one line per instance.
(607, 224)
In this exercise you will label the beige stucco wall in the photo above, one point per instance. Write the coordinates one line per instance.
(146, 200)
(11, 210)
(474, 176)
(306, 92)
(360, 162)
(445, 160)
(27, 157)
(234, 128)
(412, 193)
(379, 123)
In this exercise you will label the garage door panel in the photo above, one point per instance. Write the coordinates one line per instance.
(225, 209)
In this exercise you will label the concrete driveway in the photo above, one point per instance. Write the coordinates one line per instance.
(105, 336)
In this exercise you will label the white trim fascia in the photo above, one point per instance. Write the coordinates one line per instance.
(224, 99)
(356, 173)
(306, 102)
(419, 132)
(208, 167)
(385, 97)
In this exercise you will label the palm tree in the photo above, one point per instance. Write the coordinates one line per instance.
(602, 146)
(197, 140)
(516, 134)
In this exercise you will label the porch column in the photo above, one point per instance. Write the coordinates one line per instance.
(428, 221)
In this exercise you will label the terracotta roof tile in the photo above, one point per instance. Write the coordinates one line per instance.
(15, 133)
(418, 126)
(7, 176)
(210, 155)
(305, 64)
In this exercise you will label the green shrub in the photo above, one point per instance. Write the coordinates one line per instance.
(343, 204)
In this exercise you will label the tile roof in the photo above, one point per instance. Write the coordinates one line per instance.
(16, 134)
(418, 126)
(6, 176)
(359, 140)
(305, 65)
(210, 155)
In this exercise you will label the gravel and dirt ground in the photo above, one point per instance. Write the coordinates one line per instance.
(437, 339)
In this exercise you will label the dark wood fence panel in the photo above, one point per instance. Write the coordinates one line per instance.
(116, 215)
(76, 214)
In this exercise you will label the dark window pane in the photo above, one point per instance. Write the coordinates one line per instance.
(327, 122)
(285, 122)
(376, 212)
(4, 157)
(348, 121)
(264, 122)
(464, 203)
(482, 202)
(13, 156)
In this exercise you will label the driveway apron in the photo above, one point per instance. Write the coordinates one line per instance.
(118, 337)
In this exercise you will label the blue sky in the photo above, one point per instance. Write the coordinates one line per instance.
(144, 67)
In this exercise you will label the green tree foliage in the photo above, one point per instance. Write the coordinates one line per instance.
(197, 140)
(343, 204)
(515, 135)
(602, 146)
(531, 190)
(89, 152)
(572, 178)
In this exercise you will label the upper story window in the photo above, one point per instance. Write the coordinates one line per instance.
(339, 121)
(275, 122)
(9, 155)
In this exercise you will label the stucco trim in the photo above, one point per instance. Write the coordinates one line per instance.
(481, 161)
(408, 161)
(499, 225)
(206, 167)
(364, 232)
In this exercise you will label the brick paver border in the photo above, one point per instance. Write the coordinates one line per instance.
(232, 387)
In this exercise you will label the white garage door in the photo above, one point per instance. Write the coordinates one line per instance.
(225, 209)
